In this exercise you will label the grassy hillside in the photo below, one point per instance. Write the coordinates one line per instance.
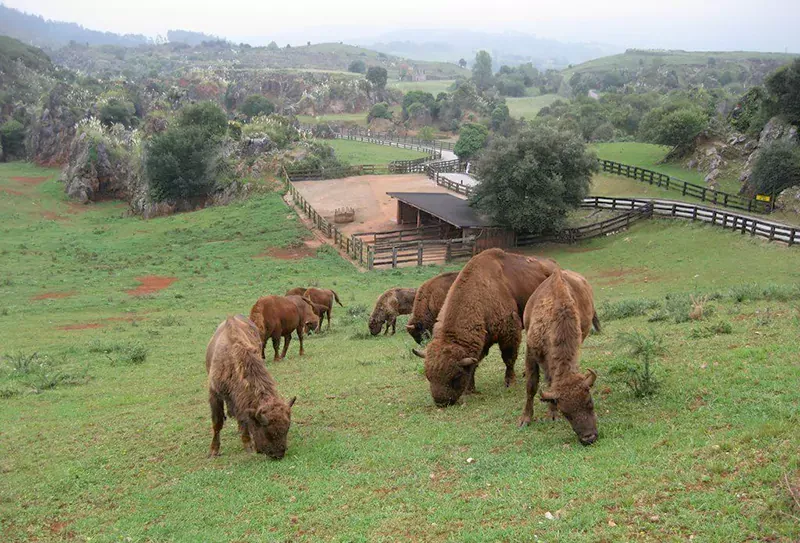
(433, 87)
(356, 152)
(106, 431)
(528, 106)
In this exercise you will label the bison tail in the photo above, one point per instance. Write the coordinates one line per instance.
(596, 323)
(336, 296)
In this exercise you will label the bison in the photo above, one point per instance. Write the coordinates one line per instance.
(237, 377)
(390, 304)
(323, 302)
(279, 316)
(558, 318)
(427, 304)
(483, 307)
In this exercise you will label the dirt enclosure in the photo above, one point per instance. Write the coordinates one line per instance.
(375, 211)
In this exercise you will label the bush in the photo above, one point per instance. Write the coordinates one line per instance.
(471, 139)
(625, 309)
(530, 181)
(357, 67)
(784, 88)
(12, 138)
(379, 111)
(426, 133)
(255, 105)
(116, 111)
(121, 353)
(676, 127)
(206, 116)
(640, 376)
(777, 168)
(719, 328)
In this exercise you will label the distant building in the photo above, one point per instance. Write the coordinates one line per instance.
(418, 75)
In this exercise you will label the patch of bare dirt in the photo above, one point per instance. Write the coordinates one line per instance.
(84, 326)
(151, 284)
(51, 216)
(54, 295)
(30, 180)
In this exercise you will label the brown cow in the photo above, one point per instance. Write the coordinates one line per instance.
(483, 307)
(427, 304)
(323, 303)
(395, 301)
(558, 318)
(279, 316)
(237, 377)
(298, 291)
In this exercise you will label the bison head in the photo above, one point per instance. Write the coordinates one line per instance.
(573, 399)
(268, 425)
(448, 377)
(375, 325)
(310, 317)
(416, 330)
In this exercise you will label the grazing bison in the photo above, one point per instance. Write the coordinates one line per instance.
(279, 316)
(390, 304)
(298, 291)
(323, 302)
(427, 304)
(237, 377)
(483, 307)
(558, 318)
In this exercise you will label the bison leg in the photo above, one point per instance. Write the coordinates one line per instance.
(328, 313)
(532, 385)
(300, 337)
(217, 420)
(276, 344)
(394, 325)
(509, 348)
(286, 340)
(386, 332)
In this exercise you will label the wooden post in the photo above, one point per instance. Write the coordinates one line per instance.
(394, 256)
(772, 233)
(714, 218)
(419, 253)
(753, 228)
(448, 251)
(744, 225)
(791, 237)
(370, 258)
(694, 214)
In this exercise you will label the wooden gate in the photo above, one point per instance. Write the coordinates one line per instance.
(488, 238)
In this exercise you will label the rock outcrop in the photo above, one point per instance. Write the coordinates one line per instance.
(776, 129)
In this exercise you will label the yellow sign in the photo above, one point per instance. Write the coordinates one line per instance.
(763, 197)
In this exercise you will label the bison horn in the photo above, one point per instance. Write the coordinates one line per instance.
(591, 376)
(418, 353)
(549, 396)
(291, 402)
(467, 362)
(410, 327)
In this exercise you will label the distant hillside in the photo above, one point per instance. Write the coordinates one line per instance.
(510, 48)
(665, 70)
(189, 37)
(36, 30)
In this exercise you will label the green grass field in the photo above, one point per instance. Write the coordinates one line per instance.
(434, 86)
(356, 152)
(105, 433)
(528, 106)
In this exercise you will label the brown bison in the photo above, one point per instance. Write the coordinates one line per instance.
(298, 291)
(323, 303)
(237, 377)
(427, 304)
(279, 316)
(483, 307)
(390, 304)
(558, 318)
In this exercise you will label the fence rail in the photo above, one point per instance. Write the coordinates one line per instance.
(420, 252)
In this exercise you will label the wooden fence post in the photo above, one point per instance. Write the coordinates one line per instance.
(419, 253)
(791, 237)
(370, 258)
(394, 256)
(448, 251)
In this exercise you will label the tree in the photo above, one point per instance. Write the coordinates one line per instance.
(378, 77)
(530, 181)
(482, 70)
(784, 88)
(357, 67)
(777, 168)
(423, 98)
(255, 105)
(462, 63)
(500, 115)
(12, 139)
(426, 133)
(273, 46)
(184, 161)
(379, 111)
(471, 139)
(116, 111)
(674, 126)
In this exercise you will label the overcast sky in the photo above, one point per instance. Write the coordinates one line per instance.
(764, 25)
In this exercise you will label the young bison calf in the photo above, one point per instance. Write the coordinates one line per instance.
(427, 304)
(279, 316)
(390, 304)
(558, 318)
(321, 299)
(237, 377)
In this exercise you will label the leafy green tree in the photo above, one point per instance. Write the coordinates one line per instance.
(12, 139)
(426, 99)
(255, 105)
(462, 63)
(379, 111)
(482, 71)
(500, 115)
(207, 116)
(777, 168)
(273, 46)
(674, 126)
(117, 111)
(530, 181)
(377, 76)
(784, 88)
(471, 139)
(357, 67)
(426, 133)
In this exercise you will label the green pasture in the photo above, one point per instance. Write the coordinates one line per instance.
(528, 106)
(106, 428)
(433, 86)
(357, 152)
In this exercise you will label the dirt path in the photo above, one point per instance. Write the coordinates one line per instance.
(151, 284)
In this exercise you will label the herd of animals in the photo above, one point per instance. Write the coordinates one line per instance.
(494, 299)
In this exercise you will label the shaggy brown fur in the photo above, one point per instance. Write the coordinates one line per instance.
(237, 377)
(298, 291)
(395, 301)
(558, 318)
(483, 307)
(279, 316)
(427, 304)
(323, 302)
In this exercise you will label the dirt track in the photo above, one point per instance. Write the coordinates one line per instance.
(375, 211)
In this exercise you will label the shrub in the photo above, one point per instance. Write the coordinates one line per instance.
(12, 138)
(117, 111)
(471, 139)
(378, 77)
(379, 111)
(674, 126)
(121, 353)
(640, 376)
(426, 133)
(719, 328)
(255, 105)
(357, 67)
(777, 168)
(625, 309)
(531, 180)
(207, 116)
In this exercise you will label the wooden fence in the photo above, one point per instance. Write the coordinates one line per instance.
(420, 252)
(433, 148)
(409, 234)
(705, 194)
